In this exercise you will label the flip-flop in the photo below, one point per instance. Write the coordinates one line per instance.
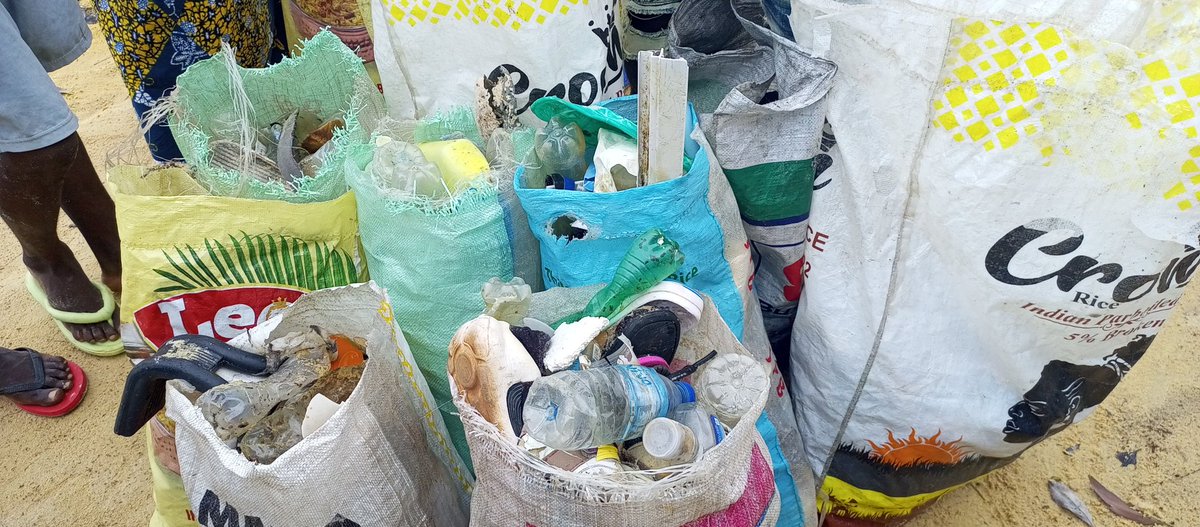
(62, 318)
(70, 400)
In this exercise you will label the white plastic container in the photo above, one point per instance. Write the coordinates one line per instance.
(730, 384)
(670, 442)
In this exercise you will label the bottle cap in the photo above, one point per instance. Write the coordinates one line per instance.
(607, 452)
(689, 393)
(731, 384)
(666, 439)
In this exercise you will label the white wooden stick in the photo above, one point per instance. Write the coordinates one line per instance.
(662, 117)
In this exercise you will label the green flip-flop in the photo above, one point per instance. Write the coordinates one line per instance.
(62, 318)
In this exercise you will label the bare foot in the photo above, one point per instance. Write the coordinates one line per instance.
(15, 368)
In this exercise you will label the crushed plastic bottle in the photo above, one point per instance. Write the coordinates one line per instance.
(652, 258)
(560, 146)
(233, 408)
(578, 409)
(401, 166)
(507, 301)
(283, 428)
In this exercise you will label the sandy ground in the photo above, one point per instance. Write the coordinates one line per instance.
(75, 471)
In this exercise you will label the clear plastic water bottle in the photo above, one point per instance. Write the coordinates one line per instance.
(705, 426)
(574, 410)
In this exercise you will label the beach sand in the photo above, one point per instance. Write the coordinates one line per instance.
(75, 471)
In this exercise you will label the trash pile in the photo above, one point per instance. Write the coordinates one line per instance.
(264, 419)
(635, 384)
(278, 133)
(302, 379)
(601, 391)
(611, 310)
(605, 391)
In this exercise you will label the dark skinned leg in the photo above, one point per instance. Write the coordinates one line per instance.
(87, 203)
(31, 188)
(15, 369)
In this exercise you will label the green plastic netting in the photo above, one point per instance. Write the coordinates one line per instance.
(216, 100)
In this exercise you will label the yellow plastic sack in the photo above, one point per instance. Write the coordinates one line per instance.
(217, 266)
(171, 507)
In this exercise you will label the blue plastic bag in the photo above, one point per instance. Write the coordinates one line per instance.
(584, 235)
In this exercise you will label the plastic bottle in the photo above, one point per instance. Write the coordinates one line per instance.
(606, 462)
(730, 385)
(670, 442)
(578, 409)
(560, 146)
(700, 419)
(652, 258)
(402, 166)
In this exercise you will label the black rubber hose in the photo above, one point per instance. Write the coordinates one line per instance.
(192, 358)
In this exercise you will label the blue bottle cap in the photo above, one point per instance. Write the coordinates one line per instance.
(689, 393)
(559, 182)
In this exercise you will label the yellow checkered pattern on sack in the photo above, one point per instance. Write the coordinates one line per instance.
(1170, 90)
(497, 13)
(994, 80)
(998, 79)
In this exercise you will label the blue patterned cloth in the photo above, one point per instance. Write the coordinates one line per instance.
(154, 41)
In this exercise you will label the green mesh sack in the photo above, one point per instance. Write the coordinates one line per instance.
(434, 256)
(216, 101)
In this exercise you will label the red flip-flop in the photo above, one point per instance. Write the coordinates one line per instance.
(70, 400)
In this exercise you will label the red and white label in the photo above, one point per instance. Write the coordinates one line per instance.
(219, 313)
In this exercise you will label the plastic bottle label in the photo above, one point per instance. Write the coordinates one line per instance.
(718, 430)
(639, 381)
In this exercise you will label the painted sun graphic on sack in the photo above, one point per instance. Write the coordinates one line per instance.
(496, 13)
(916, 450)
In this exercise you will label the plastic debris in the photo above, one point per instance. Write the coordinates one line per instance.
(507, 301)
(236, 407)
(560, 147)
(1128, 459)
(284, 427)
(651, 260)
(570, 340)
(485, 360)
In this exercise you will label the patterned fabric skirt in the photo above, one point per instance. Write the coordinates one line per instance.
(154, 41)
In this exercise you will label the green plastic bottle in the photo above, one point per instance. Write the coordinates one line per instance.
(652, 258)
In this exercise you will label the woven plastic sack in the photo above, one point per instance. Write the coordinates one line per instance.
(171, 507)
(766, 149)
(200, 264)
(731, 485)
(699, 212)
(216, 100)
(433, 257)
(432, 54)
(382, 459)
(1010, 217)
